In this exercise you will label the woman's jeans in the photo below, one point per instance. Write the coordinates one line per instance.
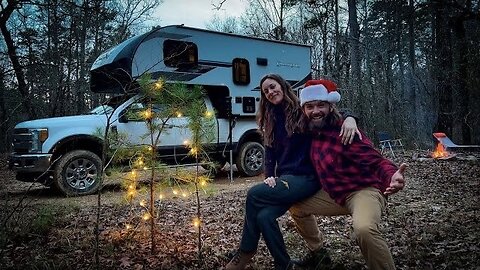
(265, 204)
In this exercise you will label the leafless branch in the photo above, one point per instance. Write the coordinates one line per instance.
(219, 5)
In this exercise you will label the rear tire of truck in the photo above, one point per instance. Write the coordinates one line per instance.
(78, 173)
(250, 159)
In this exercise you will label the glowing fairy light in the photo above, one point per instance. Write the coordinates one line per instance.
(186, 142)
(147, 114)
(208, 114)
(143, 203)
(146, 216)
(196, 222)
(133, 173)
(175, 192)
(128, 226)
(184, 194)
(194, 151)
(203, 182)
(179, 114)
(161, 196)
(145, 168)
(159, 85)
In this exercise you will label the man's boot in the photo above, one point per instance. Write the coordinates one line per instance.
(316, 259)
(239, 261)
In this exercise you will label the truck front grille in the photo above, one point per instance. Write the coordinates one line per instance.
(22, 140)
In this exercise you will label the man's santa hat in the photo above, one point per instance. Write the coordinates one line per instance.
(321, 90)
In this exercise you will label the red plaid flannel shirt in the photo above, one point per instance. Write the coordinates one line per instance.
(343, 169)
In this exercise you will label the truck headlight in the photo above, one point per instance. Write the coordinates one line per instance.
(39, 135)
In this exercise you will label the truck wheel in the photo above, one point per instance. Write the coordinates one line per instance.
(78, 173)
(250, 159)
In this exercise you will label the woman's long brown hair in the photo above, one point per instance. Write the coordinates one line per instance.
(265, 114)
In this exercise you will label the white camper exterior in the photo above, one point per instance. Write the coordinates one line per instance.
(232, 61)
(64, 151)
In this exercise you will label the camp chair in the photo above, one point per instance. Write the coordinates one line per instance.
(447, 143)
(386, 143)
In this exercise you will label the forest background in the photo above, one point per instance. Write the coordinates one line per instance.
(409, 67)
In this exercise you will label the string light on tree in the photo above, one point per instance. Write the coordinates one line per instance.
(130, 195)
(159, 85)
(196, 222)
(147, 114)
(139, 162)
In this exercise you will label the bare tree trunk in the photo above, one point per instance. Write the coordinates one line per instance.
(336, 72)
(443, 67)
(355, 58)
(82, 85)
(4, 119)
(460, 130)
(12, 54)
(399, 113)
(411, 89)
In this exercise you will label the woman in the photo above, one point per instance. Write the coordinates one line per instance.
(289, 174)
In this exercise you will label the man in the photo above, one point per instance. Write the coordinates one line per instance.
(355, 179)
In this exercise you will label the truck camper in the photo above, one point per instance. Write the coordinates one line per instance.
(65, 152)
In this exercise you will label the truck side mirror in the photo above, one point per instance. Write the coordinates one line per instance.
(123, 116)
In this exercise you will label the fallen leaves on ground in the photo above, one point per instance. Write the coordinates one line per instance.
(432, 224)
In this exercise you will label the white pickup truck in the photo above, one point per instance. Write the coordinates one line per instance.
(66, 153)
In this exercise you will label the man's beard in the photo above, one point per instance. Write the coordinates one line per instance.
(316, 126)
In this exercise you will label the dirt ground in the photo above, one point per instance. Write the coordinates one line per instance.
(433, 223)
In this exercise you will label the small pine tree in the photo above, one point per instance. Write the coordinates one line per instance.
(163, 102)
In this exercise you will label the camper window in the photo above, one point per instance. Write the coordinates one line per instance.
(241, 71)
(179, 53)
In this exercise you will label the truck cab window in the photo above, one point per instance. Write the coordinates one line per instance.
(241, 71)
(179, 54)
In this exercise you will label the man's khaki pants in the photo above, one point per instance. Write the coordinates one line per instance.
(365, 206)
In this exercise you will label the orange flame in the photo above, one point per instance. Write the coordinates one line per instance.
(439, 151)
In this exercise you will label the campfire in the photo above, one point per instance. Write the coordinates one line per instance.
(440, 152)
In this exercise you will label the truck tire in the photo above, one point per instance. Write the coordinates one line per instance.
(250, 159)
(78, 173)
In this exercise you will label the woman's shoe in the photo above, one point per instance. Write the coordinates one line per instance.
(240, 260)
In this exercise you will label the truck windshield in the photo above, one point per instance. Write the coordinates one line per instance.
(102, 109)
(111, 104)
